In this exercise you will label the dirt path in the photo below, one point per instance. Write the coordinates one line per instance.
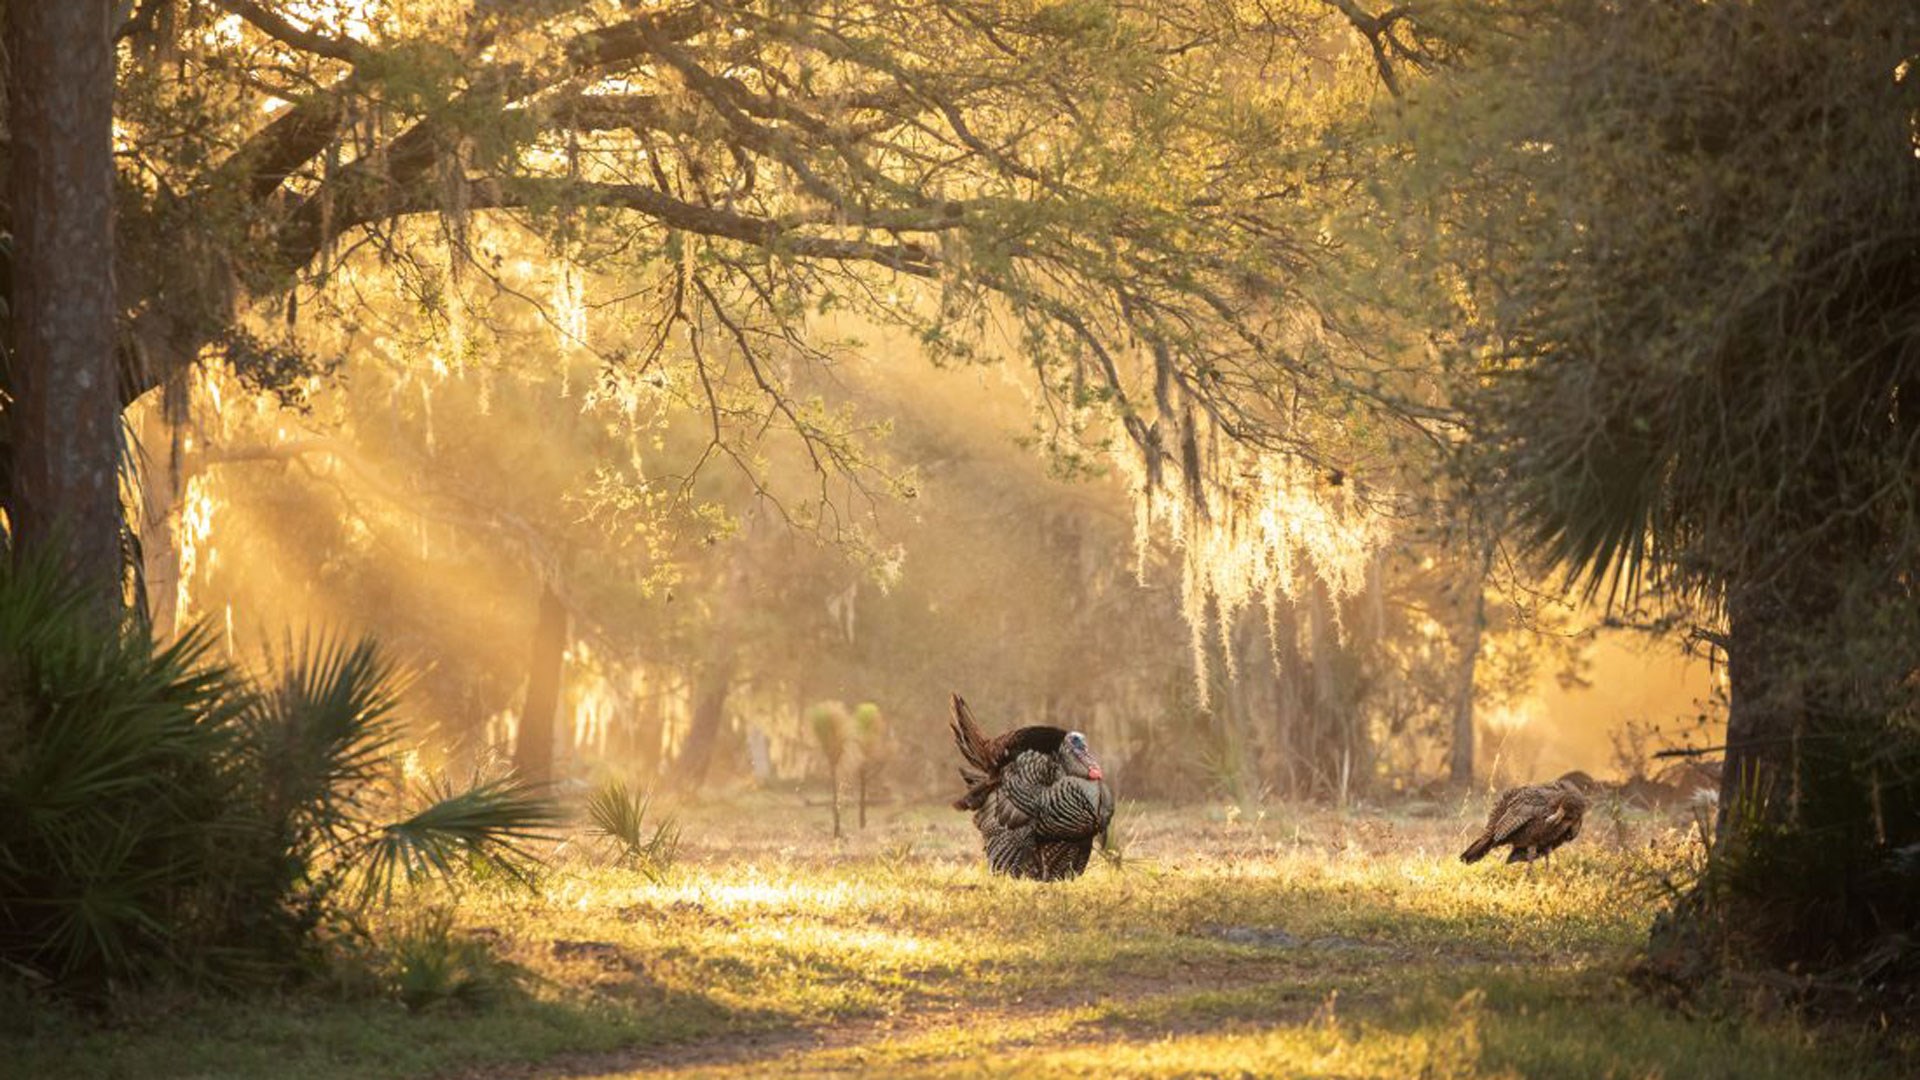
(943, 1029)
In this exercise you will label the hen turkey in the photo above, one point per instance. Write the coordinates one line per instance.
(1533, 819)
(1037, 797)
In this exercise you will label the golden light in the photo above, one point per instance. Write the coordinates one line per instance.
(192, 531)
(1275, 532)
(1508, 720)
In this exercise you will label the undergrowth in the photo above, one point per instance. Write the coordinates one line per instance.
(1301, 942)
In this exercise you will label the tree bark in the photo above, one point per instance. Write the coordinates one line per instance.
(833, 789)
(1762, 710)
(533, 750)
(1241, 704)
(65, 416)
(162, 483)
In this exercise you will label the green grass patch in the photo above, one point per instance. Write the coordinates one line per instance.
(1315, 944)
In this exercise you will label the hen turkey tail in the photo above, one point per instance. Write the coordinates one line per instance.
(1478, 849)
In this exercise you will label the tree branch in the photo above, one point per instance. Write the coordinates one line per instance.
(300, 244)
(276, 26)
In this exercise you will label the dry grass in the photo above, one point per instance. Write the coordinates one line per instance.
(1292, 943)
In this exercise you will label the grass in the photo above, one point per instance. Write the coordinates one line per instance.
(1294, 943)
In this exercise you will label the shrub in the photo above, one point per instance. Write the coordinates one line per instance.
(831, 727)
(620, 815)
(162, 813)
(429, 963)
(114, 791)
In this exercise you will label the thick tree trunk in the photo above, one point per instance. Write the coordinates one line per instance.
(533, 751)
(1802, 842)
(1763, 711)
(65, 416)
(712, 683)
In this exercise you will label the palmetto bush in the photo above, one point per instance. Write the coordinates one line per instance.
(316, 770)
(622, 817)
(163, 813)
(114, 786)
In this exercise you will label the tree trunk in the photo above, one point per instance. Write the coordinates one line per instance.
(1472, 629)
(65, 417)
(1762, 711)
(712, 683)
(533, 751)
(1240, 702)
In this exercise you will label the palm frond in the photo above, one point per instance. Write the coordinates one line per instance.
(487, 827)
(322, 732)
(830, 724)
(621, 816)
(1593, 515)
(111, 771)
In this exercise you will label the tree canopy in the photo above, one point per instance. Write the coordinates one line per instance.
(1680, 243)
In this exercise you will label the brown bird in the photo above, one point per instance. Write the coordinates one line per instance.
(1037, 796)
(1534, 819)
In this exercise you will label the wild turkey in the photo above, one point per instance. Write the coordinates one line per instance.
(1036, 794)
(1534, 819)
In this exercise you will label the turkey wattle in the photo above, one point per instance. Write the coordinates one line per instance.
(1037, 797)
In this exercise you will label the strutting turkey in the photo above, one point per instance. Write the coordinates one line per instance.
(1037, 797)
(1534, 819)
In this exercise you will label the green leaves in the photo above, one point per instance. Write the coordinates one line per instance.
(321, 741)
(486, 829)
(432, 963)
(110, 782)
(620, 815)
(162, 812)
(321, 734)
(831, 726)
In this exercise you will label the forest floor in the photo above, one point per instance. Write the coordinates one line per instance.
(1281, 942)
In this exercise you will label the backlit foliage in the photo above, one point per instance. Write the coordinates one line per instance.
(1129, 199)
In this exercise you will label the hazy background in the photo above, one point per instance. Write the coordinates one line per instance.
(434, 502)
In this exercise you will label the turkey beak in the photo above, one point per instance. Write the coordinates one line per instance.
(1093, 767)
